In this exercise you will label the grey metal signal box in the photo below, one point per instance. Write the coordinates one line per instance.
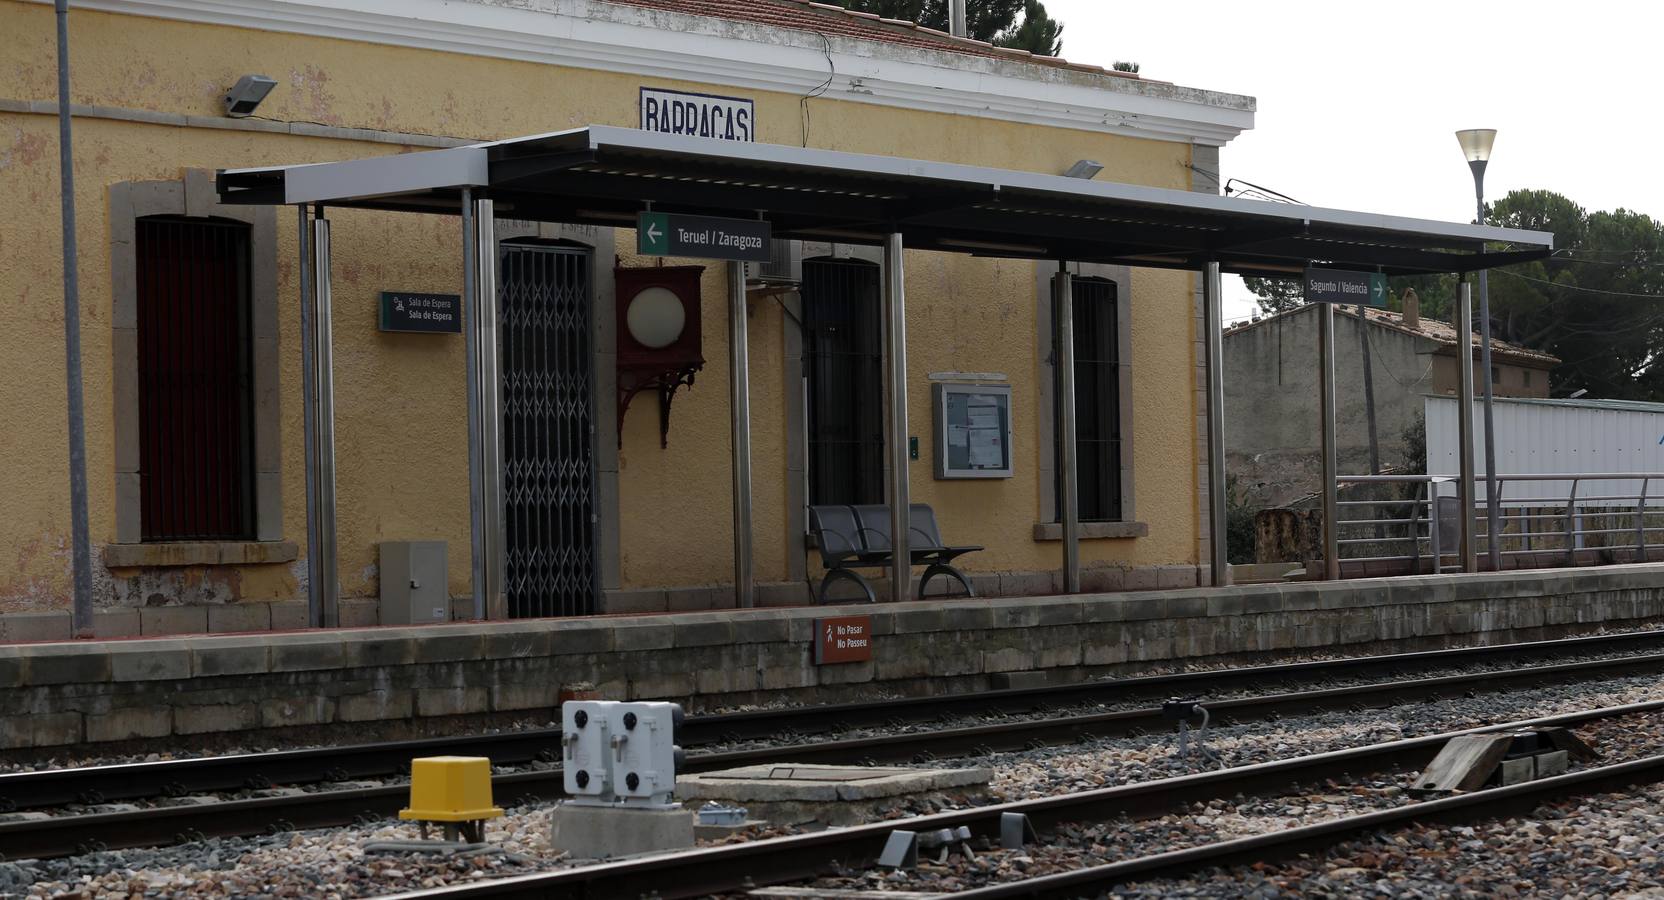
(414, 586)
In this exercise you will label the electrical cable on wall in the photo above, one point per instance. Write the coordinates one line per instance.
(818, 90)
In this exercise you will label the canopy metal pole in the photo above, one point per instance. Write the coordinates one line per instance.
(491, 419)
(1464, 419)
(1331, 468)
(476, 468)
(326, 588)
(309, 424)
(739, 377)
(479, 291)
(895, 300)
(1218, 548)
(1069, 501)
(1493, 511)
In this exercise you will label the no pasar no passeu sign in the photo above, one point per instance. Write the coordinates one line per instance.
(843, 639)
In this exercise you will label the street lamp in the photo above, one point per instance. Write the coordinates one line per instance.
(1476, 146)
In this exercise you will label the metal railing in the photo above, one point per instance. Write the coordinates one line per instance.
(1546, 519)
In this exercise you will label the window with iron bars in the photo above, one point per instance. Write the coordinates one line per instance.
(196, 458)
(1097, 402)
(844, 362)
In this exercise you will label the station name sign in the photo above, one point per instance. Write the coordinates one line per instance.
(668, 234)
(698, 115)
(1341, 286)
(428, 313)
(843, 639)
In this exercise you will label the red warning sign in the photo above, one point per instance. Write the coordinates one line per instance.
(844, 639)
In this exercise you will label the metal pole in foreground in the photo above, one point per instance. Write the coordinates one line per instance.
(1493, 512)
(1331, 468)
(476, 470)
(739, 378)
(1464, 419)
(80, 541)
(1218, 549)
(489, 381)
(1069, 502)
(309, 427)
(328, 589)
(895, 301)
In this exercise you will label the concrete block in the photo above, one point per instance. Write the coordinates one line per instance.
(35, 626)
(451, 701)
(13, 666)
(240, 617)
(565, 638)
(785, 593)
(66, 663)
(1263, 599)
(45, 730)
(374, 706)
(288, 615)
(115, 623)
(704, 630)
(359, 612)
(968, 615)
(1007, 659)
(449, 643)
(230, 656)
(1515, 771)
(306, 652)
(374, 649)
(659, 684)
(1187, 607)
(1550, 764)
(1141, 578)
(1175, 577)
(280, 712)
(1019, 681)
(597, 832)
(1226, 604)
(699, 598)
(127, 724)
(625, 602)
(1103, 579)
(215, 717)
(508, 697)
(847, 673)
(150, 660)
(766, 626)
(1050, 611)
(1027, 584)
(643, 635)
(173, 620)
(521, 640)
(1136, 608)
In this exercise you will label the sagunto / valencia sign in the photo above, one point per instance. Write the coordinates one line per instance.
(1340, 286)
(666, 234)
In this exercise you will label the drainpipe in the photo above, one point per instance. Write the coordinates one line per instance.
(80, 546)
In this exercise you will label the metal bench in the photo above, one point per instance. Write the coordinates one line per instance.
(852, 537)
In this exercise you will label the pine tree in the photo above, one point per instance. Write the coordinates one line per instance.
(1020, 24)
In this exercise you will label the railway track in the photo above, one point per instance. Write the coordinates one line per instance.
(71, 834)
(736, 868)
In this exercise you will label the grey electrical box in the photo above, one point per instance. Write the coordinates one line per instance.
(414, 587)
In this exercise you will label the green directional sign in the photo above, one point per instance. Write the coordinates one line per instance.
(708, 237)
(1341, 286)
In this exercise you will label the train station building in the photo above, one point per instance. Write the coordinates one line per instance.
(321, 423)
(192, 323)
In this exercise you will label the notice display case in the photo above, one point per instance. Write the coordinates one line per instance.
(973, 430)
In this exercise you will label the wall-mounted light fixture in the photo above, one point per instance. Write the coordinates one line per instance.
(1084, 168)
(658, 335)
(246, 95)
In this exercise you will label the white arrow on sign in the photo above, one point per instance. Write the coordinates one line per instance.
(653, 232)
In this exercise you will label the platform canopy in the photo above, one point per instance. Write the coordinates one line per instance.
(603, 175)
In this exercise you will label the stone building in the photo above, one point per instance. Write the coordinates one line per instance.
(1273, 430)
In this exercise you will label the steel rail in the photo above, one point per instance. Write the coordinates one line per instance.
(72, 834)
(738, 867)
(1277, 845)
(145, 780)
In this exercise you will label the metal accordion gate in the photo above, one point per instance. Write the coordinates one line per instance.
(844, 361)
(544, 300)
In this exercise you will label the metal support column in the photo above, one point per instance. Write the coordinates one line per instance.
(1218, 543)
(1069, 467)
(323, 581)
(1464, 420)
(479, 288)
(739, 379)
(1331, 468)
(895, 438)
(1493, 511)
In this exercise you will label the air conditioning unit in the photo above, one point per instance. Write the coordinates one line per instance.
(781, 269)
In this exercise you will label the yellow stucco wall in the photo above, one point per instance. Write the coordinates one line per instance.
(401, 411)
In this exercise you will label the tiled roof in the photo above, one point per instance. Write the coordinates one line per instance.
(1436, 330)
(826, 19)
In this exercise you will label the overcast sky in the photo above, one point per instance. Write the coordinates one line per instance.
(1358, 104)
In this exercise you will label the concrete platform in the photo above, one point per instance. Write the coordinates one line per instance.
(789, 793)
(602, 832)
(362, 684)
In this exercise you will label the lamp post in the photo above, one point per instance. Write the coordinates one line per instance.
(1476, 146)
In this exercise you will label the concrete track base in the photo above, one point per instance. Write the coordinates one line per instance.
(601, 832)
